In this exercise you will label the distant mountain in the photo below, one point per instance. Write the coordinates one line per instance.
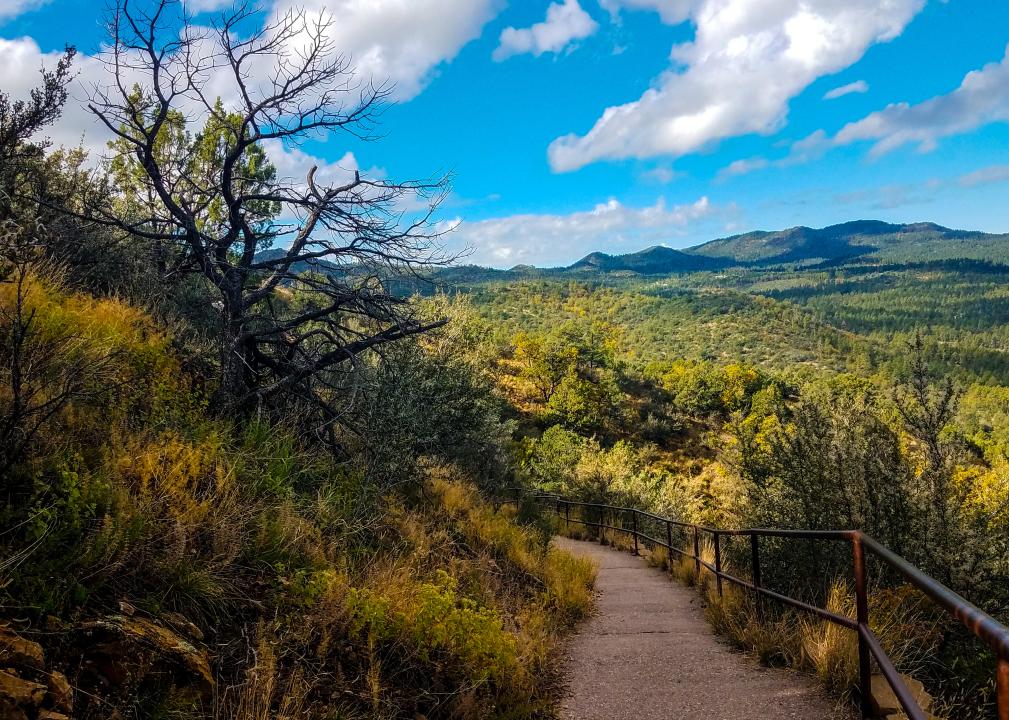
(861, 241)
(849, 240)
(655, 260)
(871, 240)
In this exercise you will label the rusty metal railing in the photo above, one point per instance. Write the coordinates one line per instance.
(976, 620)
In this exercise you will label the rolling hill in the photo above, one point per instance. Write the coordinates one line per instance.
(860, 239)
(656, 260)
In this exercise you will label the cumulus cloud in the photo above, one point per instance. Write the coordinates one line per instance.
(672, 12)
(982, 98)
(21, 60)
(293, 164)
(859, 86)
(385, 41)
(747, 60)
(396, 41)
(565, 23)
(546, 239)
(13, 8)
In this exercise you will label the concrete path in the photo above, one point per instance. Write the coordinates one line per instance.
(648, 654)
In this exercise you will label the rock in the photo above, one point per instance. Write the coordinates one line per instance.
(24, 694)
(122, 650)
(20, 652)
(60, 693)
(183, 625)
(126, 609)
(885, 703)
(51, 715)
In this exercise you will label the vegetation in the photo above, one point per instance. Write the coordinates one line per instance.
(254, 443)
(334, 548)
(714, 404)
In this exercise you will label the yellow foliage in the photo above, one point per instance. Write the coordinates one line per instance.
(568, 580)
(174, 478)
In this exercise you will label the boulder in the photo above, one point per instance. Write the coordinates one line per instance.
(60, 693)
(23, 694)
(121, 651)
(179, 622)
(16, 651)
(885, 703)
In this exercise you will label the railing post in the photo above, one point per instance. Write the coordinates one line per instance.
(634, 529)
(862, 615)
(669, 544)
(697, 556)
(567, 515)
(755, 562)
(1002, 688)
(718, 563)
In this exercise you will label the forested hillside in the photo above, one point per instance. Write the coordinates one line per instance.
(866, 396)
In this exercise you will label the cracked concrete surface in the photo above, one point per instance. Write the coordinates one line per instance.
(648, 653)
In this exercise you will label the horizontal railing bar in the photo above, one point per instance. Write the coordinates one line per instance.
(983, 625)
(649, 538)
(589, 523)
(764, 532)
(977, 620)
(893, 678)
(653, 516)
(825, 614)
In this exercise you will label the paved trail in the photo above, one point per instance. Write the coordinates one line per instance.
(648, 653)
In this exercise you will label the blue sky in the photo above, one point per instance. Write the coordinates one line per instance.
(726, 115)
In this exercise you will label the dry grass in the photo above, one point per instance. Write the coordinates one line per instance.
(908, 628)
(263, 694)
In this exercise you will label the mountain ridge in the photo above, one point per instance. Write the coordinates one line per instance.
(805, 245)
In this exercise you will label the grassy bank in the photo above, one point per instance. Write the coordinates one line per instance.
(168, 563)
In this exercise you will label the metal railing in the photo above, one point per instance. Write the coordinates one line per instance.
(976, 620)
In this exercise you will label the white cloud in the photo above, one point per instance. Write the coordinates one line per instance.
(399, 41)
(672, 12)
(748, 59)
(13, 8)
(984, 176)
(982, 98)
(742, 167)
(21, 60)
(565, 23)
(293, 164)
(388, 40)
(859, 86)
(545, 239)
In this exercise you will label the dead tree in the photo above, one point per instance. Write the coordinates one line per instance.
(289, 316)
